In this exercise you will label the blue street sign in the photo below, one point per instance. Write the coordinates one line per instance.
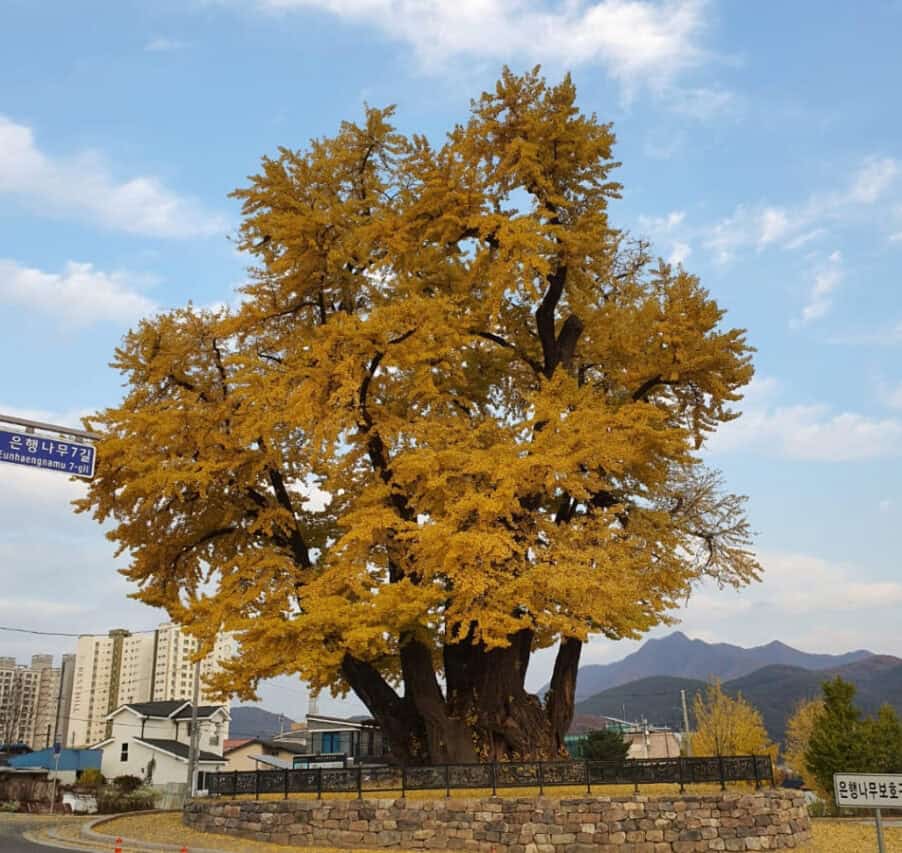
(54, 454)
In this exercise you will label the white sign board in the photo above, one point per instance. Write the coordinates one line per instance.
(868, 790)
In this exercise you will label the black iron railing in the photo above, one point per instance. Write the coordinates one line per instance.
(490, 777)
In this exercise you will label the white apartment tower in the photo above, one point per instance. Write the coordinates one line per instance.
(120, 667)
(109, 671)
(174, 669)
(34, 700)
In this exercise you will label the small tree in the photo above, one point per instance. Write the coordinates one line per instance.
(605, 745)
(799, 729)
(727, 726)
(884, 741)
(839, 741)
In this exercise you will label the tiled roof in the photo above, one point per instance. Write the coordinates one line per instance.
(179, 749)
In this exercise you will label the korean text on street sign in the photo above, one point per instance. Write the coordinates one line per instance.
(54, 454)
(868, 790)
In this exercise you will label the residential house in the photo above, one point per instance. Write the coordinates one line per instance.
(262, 754)
(152, 740)
(358, 739)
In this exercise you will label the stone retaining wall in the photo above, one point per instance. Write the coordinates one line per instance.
(765, 820)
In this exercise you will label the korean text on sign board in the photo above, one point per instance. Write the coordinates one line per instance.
(67, 457)
(868, 790)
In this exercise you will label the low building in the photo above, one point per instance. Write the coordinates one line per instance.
(358, 739)
(67, 768)
(152, 740)
(262, 754)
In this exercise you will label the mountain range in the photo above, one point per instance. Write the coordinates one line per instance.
(678, 656)
(761, 675)
(253, 721)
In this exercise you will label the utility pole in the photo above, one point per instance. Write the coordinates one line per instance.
(195, 734)
(687, 740)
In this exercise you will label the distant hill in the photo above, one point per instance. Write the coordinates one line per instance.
(773, 690)
(677, 656)
(251, 721)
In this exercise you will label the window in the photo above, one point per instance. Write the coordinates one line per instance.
(123, 754)
(331, 742)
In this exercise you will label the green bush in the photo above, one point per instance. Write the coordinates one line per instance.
(126, 784)
(605, 745)
(9, 806)
(91, 778)
(113, 801)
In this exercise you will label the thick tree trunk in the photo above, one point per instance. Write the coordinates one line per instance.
(484, 713)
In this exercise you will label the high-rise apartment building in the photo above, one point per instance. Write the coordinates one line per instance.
(174, 669)
(33, 700)
(121, 667)
(109, 671)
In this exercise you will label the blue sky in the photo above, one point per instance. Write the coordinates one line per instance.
(760, 147)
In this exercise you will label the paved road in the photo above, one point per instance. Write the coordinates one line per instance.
(11, 829)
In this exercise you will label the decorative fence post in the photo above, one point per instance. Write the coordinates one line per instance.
(235, 783)
(723, 775)
(286, 783)
(494, 785)
(359, 781)
(319, 783)
(403, 781)
(588, 777)
(540, 774)
(682, 775)
(257, 784)
(447, 781)
(757, 774)
(770, 762)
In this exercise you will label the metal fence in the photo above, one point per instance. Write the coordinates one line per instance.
(538, 774)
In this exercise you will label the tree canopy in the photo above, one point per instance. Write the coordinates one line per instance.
(456, 418)
(728, 726)
(841, 741)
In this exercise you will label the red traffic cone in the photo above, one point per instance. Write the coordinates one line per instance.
(118, 847)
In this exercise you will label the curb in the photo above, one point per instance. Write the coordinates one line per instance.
(87, 832)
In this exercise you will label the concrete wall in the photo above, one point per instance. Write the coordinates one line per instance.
(767, 820)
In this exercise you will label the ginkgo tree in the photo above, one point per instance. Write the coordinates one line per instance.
(456, 419)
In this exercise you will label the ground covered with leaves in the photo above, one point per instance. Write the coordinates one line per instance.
(829, 836)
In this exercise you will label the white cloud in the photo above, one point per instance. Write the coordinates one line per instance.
(679, 253)
(774, 225)
(806, 431)
(83, 186)
(702, 103)
(78, 296)
(804, 600)
(826, 281)
(164, 45)
(662, 224)
(891, 395)
(635, 40)
(873, 180)
(761, 226)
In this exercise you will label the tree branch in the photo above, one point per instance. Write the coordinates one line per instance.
(491, 336)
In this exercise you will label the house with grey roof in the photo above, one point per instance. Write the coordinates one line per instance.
(152, 740)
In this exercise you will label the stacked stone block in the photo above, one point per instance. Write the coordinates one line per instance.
(765, 820)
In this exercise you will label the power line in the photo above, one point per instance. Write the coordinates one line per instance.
(76, 636)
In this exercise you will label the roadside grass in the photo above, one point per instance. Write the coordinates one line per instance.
(829, 836)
